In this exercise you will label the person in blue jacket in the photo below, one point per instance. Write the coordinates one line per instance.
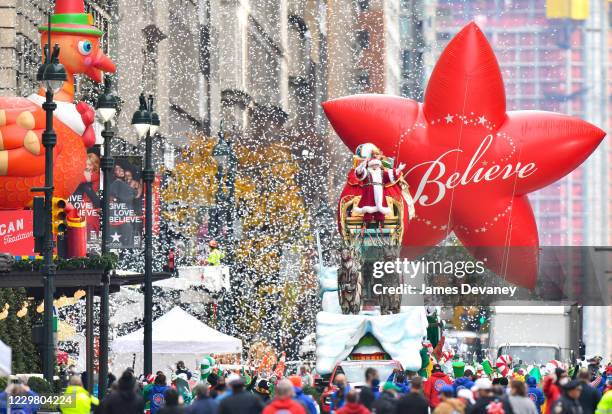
(306, 400)
(338, 397)
(17, 405)
(155, 394)
(464, 382)
(399, 379)
(534, 393)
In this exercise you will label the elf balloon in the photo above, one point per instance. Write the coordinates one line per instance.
(470, 163)
(22, 120)
(206, 367)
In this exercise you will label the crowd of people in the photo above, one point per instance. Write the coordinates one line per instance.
(584, 392)
(579, 391)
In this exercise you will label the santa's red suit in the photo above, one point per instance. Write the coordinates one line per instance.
(373, 203)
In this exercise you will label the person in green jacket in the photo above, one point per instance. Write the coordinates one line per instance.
(215, 256)
(82, 402)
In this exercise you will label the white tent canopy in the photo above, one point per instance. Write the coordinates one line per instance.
(5, 360)
(176, 336)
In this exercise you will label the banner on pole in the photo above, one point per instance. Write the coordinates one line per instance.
(86, 199)
(126, 204)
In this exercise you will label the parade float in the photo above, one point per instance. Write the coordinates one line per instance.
(22, 122)
(458, 163)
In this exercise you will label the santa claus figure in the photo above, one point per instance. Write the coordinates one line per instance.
(374, 178)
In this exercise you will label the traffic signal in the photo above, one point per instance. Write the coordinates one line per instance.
(59, 218)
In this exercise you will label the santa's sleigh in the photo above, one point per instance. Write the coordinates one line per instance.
(355, 230)
(368, 241)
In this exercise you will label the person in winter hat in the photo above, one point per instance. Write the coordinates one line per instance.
(283, 401)
(534, 393)
(464, 382)
(353, 405)
(425, 353)
(155, 395)
(306, 400)
(149, 382)
(125, 399)
(486, 401)
(467, 398)
(371, 391)
(569, 401)
(387, 402)
(84, 402)
(519, 401)
(448, 404)
(434, 383)
(590, 396)
(262, 389)
(414, 402)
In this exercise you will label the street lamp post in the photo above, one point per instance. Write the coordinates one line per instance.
(225, 158)
(106, 109)
(52, 75)
(223, 214)
(146, 123)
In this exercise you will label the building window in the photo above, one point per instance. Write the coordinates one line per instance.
(299, 24)
(363, 80)
(363, 39)
(363, 5)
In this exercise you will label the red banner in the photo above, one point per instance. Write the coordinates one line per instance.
(16, 236)
(156, 204)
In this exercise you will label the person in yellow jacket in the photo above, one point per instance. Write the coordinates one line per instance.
(605, 404)
(215, 256)
(82, 402)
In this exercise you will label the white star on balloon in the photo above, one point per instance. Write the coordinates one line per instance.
(449, 118)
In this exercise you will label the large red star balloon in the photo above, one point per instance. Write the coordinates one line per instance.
(470, 163)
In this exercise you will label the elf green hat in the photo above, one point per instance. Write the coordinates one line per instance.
(70, 17)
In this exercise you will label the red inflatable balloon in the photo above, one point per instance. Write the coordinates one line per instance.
(470, 164)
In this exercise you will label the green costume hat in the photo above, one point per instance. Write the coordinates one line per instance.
(70, 17)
